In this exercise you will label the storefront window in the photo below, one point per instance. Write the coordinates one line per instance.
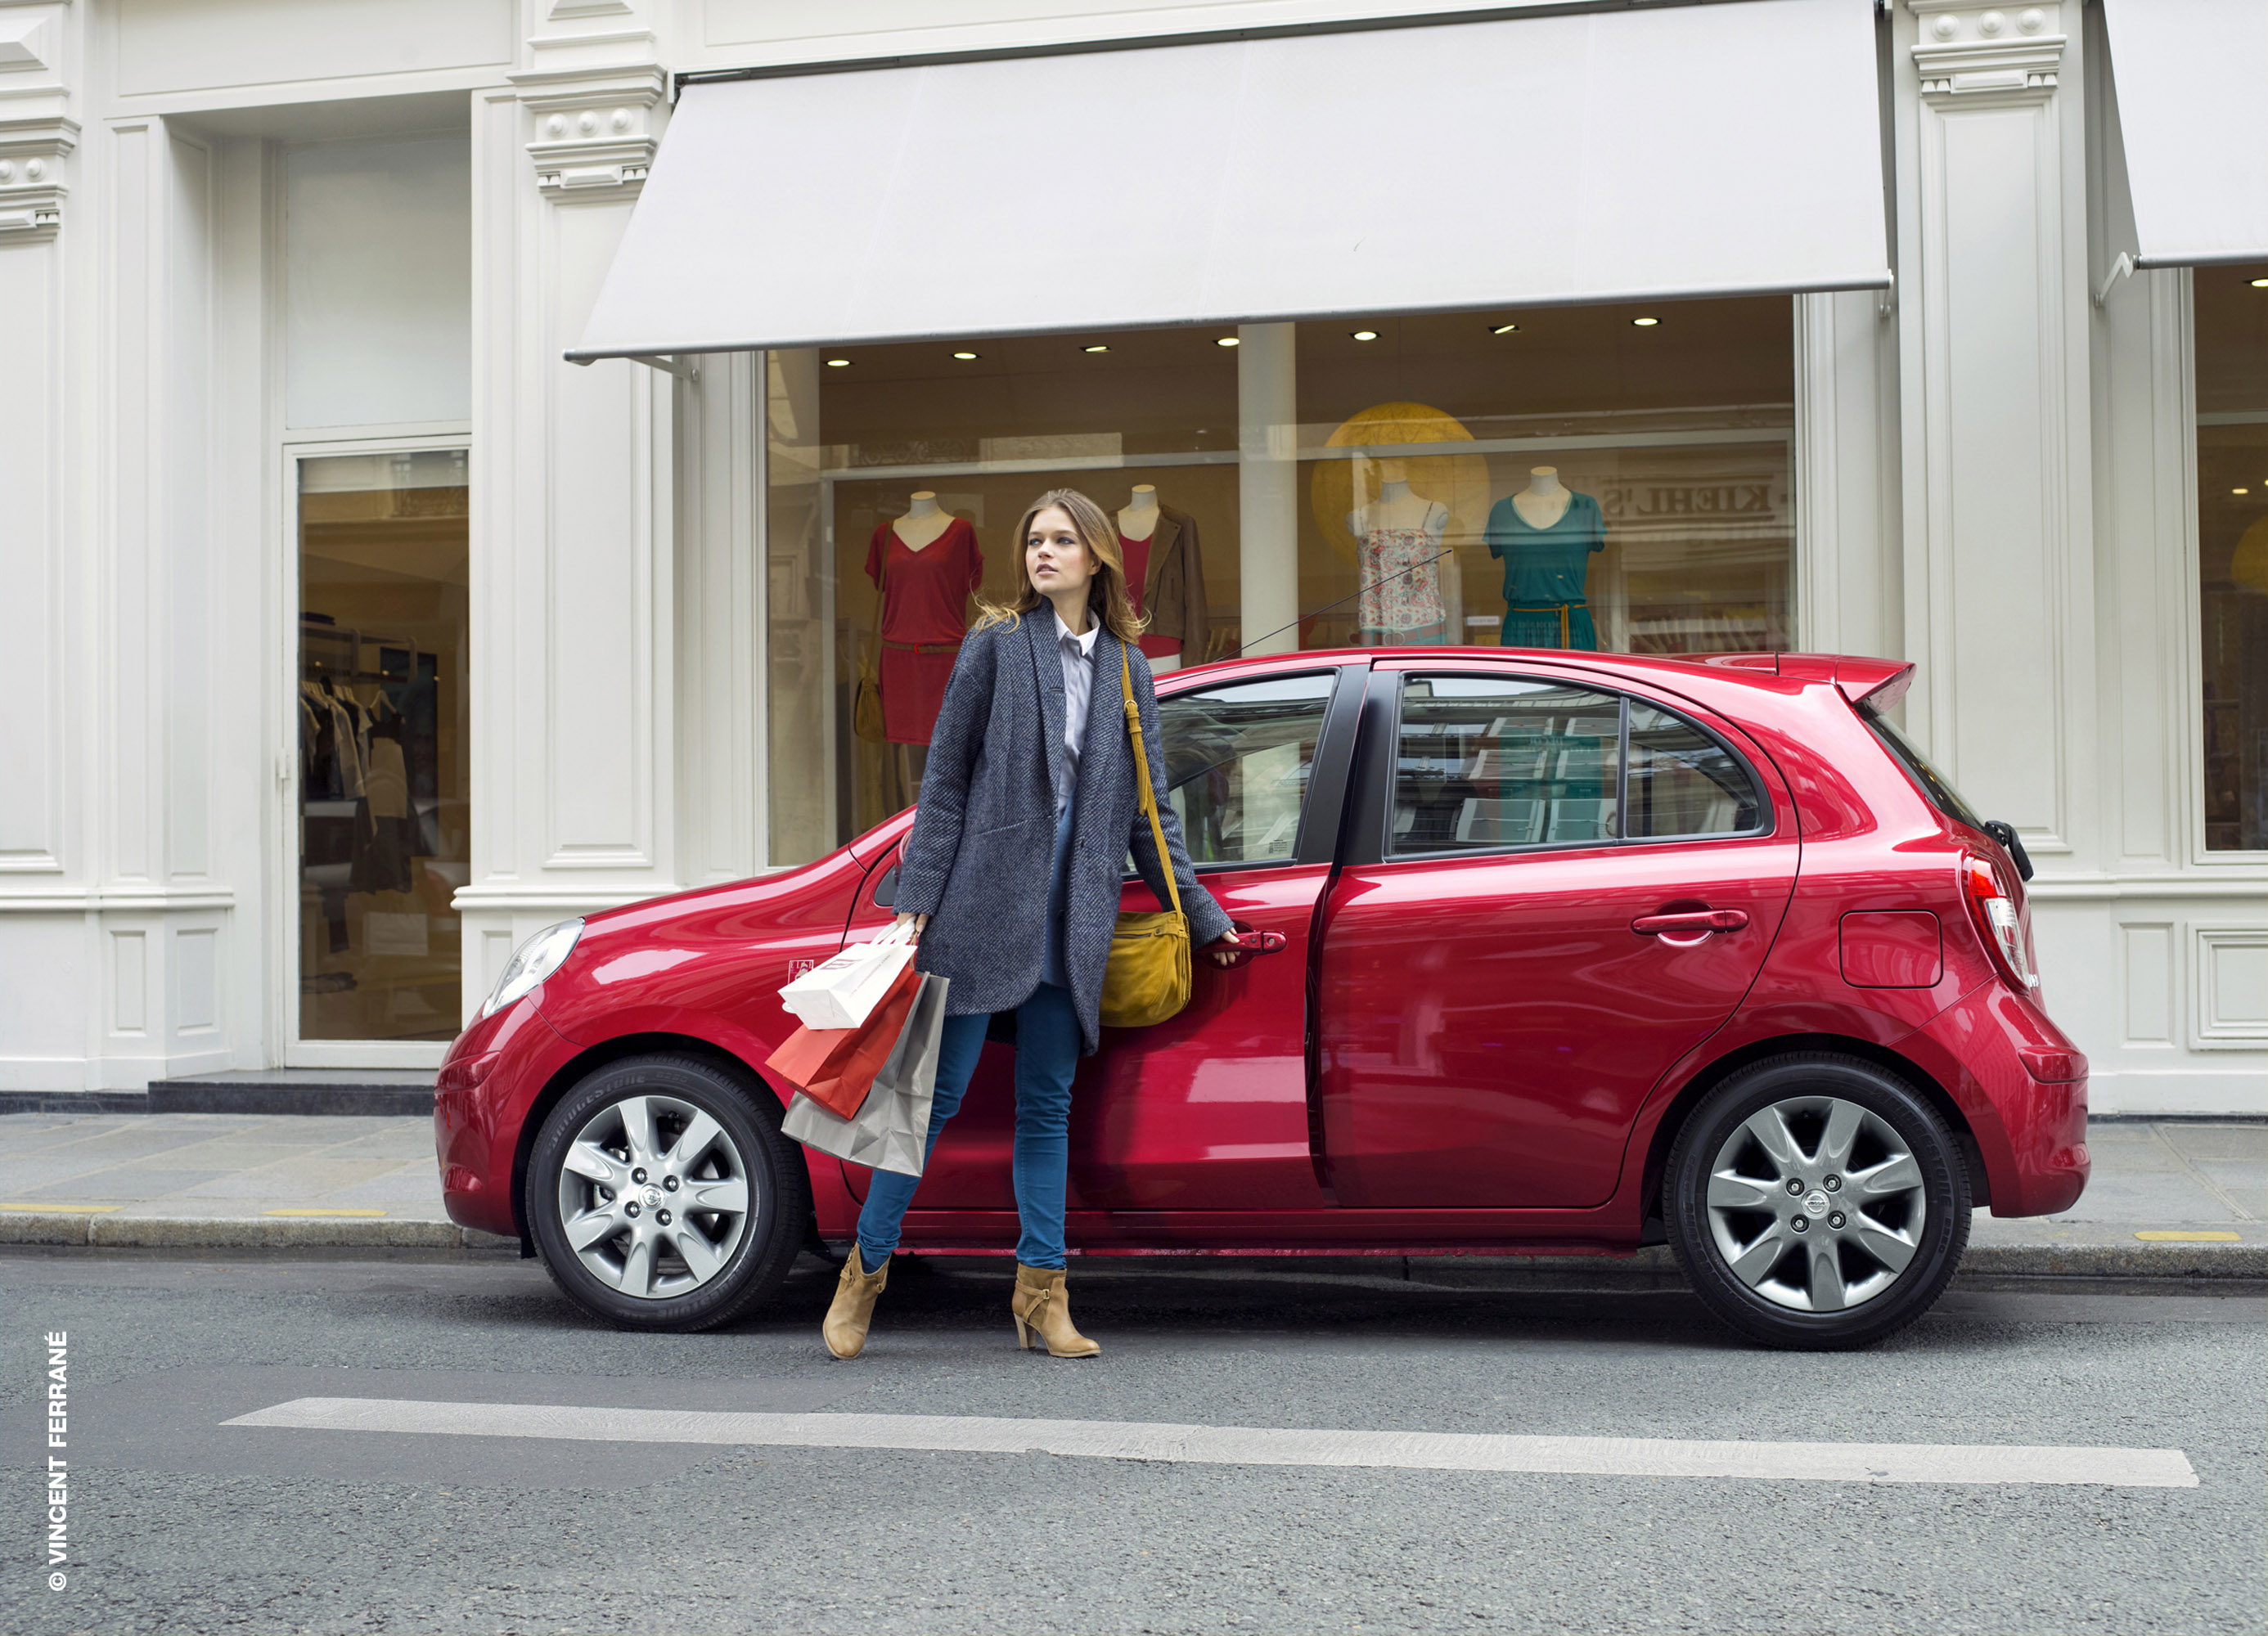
(2232, 446)
(1613, 478)
(383, 837)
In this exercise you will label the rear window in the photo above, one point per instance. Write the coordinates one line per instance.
(1934, 783)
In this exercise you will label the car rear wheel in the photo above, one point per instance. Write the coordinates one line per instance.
(1817, 1201)
(662, 1196)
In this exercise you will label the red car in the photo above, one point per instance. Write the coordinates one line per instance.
(1565, 954)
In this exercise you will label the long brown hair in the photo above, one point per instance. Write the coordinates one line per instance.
(1106, 596)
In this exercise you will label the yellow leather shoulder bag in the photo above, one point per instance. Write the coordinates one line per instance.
(1147, 979)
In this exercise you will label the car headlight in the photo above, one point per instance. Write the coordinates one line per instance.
(532, 962)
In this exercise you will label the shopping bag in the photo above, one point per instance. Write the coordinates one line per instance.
(891, 1131)
(841, 992)
(835, 1065)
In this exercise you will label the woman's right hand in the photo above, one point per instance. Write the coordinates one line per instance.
(918, 921)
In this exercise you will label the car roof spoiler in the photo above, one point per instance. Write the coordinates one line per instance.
(1877, 683)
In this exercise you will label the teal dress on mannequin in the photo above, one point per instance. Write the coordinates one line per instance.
(1547, 573)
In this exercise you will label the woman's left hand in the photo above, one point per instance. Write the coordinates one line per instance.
(1224, 948)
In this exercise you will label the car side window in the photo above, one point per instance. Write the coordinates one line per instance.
(1683, 782)
(1486, 762)
(1237, 763)
(1483, 763)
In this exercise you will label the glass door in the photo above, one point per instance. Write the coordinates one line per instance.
(383, 778)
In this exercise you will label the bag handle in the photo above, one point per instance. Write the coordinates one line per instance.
(1142, 773)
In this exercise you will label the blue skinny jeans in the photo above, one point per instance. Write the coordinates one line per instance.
(1047, 1054)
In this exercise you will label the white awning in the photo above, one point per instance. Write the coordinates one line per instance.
(2192, 79)
(1683, 151)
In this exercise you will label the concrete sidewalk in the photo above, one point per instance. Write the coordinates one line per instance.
(2173, 1199)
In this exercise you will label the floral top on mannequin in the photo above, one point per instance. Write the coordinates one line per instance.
(927, 564)
(1399, 549)
(1545, 535)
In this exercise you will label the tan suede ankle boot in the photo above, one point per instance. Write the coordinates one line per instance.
(853, 1307)
(1041, 1305)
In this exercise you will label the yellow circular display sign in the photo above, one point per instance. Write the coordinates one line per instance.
(1459, 481)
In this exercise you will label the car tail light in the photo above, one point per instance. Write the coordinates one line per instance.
(1997, 921)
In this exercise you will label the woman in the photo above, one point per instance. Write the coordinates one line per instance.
(1030, 742)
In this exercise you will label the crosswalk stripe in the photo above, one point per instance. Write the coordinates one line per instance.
(1241, 1445)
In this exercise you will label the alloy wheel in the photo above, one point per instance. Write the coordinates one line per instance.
(1816, 1203)
(654, 1197)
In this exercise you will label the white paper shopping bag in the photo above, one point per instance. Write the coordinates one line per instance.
(840, 993)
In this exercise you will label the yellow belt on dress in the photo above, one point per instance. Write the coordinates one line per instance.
(1560, 608)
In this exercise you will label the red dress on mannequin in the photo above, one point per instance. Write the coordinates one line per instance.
(1134, 554)
(925, 615)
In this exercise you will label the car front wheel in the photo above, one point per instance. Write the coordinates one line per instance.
(661, 1195)
(1815, 1200)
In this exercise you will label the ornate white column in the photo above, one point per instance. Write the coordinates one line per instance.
(1994, 343)
(573, 600)
(48, 946)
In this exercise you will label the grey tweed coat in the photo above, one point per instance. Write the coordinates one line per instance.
(983, 835)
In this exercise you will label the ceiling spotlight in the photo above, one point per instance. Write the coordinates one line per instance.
(964, 357)
(1644, 323)
(1097, 348)
(1225, 341)
(1502, 329)
(2260, 284)
(2240, 491)
(1363, 334)
(838, 364)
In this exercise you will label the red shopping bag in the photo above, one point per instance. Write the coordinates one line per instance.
(836, 1067)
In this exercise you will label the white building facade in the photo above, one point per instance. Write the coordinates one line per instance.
(349, 632)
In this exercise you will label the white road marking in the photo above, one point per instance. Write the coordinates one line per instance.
(1239, 1445)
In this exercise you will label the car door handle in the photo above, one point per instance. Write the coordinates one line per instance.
(1694, 920)
(1250, 942)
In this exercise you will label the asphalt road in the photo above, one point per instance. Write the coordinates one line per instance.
(179, 1522)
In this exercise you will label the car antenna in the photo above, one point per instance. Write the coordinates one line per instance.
(1328, 606)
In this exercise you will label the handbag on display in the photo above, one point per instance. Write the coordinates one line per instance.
(836, 1067)
(841, 992)
(866, 695)
(890, 1131)
(1147, 979)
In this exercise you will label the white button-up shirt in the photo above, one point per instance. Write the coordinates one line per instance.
(1077, 655)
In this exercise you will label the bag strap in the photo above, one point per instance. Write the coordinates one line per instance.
(1142, 774)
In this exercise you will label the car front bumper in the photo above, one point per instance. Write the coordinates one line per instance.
(493, 1072)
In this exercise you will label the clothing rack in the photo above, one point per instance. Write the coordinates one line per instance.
(318, 629)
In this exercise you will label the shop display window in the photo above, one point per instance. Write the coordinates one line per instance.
(1616, 478)
(384, 839)
(2232, 455)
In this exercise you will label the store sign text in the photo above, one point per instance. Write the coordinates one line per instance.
(1631, 503)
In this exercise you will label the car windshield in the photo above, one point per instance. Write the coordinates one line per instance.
(1934, 784)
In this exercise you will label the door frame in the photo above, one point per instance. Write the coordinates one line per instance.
(284, 1045)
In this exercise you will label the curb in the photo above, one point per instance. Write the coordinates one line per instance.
(287, 1235)
(1651, 1268)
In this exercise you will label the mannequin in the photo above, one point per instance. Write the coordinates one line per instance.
(1165, 575)
(925, 522)
(1542, 503)
(925, 564)
(1545, 535)
(1399, 562)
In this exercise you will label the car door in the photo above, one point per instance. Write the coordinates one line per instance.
(1555, 889)
(1208, 1108)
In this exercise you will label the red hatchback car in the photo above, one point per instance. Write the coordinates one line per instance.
(1563, 954)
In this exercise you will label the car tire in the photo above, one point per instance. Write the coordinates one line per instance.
(639, 1146)
(1857, 1156)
